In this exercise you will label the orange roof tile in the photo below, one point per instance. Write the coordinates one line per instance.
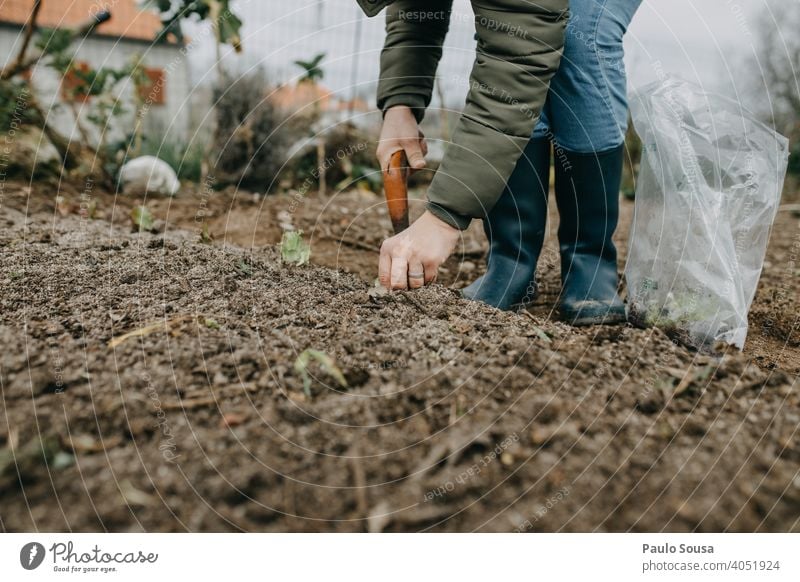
(127, 19)
(301, 95)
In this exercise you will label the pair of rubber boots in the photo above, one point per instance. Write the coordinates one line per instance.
(587, 194)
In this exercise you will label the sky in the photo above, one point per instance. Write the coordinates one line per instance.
(701, 40)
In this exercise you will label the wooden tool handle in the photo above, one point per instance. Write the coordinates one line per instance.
(395, 185)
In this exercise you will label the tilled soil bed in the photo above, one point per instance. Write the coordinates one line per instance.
(151, 382)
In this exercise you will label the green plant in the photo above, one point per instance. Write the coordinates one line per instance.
(227, 25)
(142, 217)
(325, 362)
(205, 235)
(15, 107)
(349, 160)
(312, 70)
(251, 136)
(294, 249)
(186, 159)
(244, 268)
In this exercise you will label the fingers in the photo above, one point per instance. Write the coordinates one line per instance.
(399, 272)
(423, 143)
(385, 269)
(416, 158)
(416, 274)
(431, 272)
(384, 154)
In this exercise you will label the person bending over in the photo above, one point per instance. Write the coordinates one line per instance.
(519, 46)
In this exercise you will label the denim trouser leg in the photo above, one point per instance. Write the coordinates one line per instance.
(587, 107)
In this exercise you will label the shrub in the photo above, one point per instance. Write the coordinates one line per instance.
(349, 154)
(251, 141)
(185, 159)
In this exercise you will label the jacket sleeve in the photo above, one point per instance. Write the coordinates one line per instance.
(519, 49)
(415, 32)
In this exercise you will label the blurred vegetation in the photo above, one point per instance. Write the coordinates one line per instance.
(94, 96)
(185, 159)
(773, 69)
(22, 117)
(252, 136)
(349, 159)
(226, 24)
(312, 70)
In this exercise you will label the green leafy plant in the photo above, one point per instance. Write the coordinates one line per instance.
(244, 268)
(325, 362)
(205, 235)
(186, 159)
(142, 217)
(312, 70)
(294, 249)
(227, 25)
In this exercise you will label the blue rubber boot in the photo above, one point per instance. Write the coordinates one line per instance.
(587, 193)
(515, 228)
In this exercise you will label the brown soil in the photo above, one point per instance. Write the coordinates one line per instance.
(149, 383)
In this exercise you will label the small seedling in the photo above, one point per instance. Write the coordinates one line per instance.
(205, 235)
(62, 460)
(244, 268)
(294, 249)
(211, 323)
(326, 363)
(540, 333)
(142, 217)
(62, 206)
(89, 210)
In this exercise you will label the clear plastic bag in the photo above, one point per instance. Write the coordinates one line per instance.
(708, 190)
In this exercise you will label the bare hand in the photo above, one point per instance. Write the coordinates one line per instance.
(401, 132)
(411, 259)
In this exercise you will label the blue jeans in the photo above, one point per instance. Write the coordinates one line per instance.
(587, 107)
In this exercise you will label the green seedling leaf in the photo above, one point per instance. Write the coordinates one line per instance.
(142, 217)
(211, 323)
(244, 268)
(294, 249)
(325, 362)
(705, 373)
(205, 236)
(90, 210)
(229, 25)
(24, 460)
(62, 460)
(540, 333)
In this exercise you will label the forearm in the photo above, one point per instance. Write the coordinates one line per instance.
(519, 50)
(415, 33)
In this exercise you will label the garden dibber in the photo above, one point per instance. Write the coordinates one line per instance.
(395, 185)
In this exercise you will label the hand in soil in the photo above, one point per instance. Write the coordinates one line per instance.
(401, 132)
(411, 259)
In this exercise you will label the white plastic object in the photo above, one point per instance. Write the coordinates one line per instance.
(707, 194)
(148, 175)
